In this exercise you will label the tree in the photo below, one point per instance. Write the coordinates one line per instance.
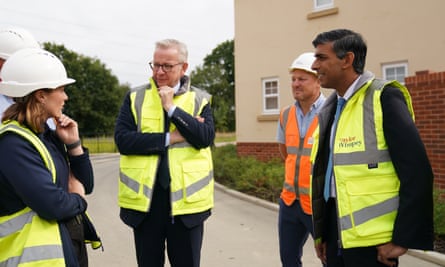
(95, 97)
(217, 76)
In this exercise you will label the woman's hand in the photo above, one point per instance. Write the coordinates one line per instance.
(66, 129)
(68, 132)
(75, 186)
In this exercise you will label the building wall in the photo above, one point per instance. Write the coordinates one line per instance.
(427, 90)
(428, 95)
(270, 34)
(261, 151)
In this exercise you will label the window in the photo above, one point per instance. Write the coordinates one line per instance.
(270, 96)
(323, 4)
(396, 72)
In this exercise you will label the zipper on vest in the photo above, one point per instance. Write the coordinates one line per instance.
(170, 187)
(297, 168)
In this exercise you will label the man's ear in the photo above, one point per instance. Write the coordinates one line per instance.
(348, 60)
(185, 66)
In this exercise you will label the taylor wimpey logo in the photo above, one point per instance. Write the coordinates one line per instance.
(349, 142)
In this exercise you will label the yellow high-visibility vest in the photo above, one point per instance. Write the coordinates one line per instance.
(25, 238)
(191, 169)
(366, 182)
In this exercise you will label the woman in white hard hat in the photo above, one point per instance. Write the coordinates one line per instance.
(41, 203)
(13, 39)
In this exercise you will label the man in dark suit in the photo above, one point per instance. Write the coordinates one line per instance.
(371, 180)
(164, 132)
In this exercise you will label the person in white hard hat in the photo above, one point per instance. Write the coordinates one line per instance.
(294, 135)
(42, 205)
(13, 39)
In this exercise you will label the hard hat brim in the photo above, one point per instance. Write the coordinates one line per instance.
(291, 69)
(14, 89)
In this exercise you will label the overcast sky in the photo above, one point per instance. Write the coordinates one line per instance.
(121, 34)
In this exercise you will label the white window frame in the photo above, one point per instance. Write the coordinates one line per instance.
(318, 6)
(271, 95)
(393, 66)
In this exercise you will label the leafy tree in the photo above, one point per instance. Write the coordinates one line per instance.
(217, 76)
(95, 97)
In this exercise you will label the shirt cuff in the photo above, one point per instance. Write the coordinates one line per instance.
(167, 139)
(171, 110)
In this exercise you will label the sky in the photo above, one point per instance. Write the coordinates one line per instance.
(121, 34)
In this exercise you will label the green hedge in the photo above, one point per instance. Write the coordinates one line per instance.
(248, 175)
(439, 212)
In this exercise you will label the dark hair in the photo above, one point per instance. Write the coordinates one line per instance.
(344, 41)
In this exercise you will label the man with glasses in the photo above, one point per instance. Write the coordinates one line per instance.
(163, 132)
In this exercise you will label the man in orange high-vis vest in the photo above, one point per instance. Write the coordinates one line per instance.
(294, 135)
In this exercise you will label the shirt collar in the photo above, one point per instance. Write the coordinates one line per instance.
(316, 105)
(319, 102)
(351, 89)
(177, 86)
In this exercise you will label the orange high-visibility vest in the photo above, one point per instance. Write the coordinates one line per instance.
(297, 167)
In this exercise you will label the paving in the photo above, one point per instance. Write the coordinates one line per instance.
(241, 232)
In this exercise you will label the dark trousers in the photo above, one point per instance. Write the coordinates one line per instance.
(159, 230)
(294, 227)
(352, 257)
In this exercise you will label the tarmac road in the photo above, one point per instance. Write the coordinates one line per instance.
(242, 231)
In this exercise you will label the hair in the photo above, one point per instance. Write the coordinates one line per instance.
(173, 43)
(27, 111)
(344, 41)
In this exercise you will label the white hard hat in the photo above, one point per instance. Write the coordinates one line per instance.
(13, 39)
(30, 69)
(304, 62)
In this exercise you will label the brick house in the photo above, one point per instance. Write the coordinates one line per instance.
(404, 39)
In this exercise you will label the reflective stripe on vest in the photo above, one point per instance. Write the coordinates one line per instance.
(297, 175)
(193, 188)
(368, 213)
(189, 193)
(37, 242)
(36, 254)
(177, 195)
(367, 199)
(134, 185)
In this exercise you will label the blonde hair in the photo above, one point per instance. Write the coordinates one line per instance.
(173, 43)
(27, 111)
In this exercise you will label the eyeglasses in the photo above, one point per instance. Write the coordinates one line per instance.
(164, 67)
